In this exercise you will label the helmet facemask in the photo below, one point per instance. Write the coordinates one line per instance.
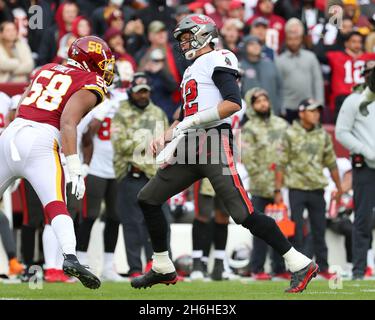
(108, 68)
(197, 41)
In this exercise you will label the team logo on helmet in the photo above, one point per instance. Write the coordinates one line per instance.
(202, 19)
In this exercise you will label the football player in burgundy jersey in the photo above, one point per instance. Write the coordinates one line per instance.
(47, 118)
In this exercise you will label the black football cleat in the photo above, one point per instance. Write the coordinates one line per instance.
(73, 268)
(151, 278)
(217, 271)
(300, 279)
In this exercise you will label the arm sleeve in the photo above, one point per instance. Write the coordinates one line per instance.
(226, 82)
(344, 126)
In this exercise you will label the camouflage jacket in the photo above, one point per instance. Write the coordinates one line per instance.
(303, 155)
(260, 141)
(132, 131)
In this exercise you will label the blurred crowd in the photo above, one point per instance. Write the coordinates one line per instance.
(293, 49)
(294, 56)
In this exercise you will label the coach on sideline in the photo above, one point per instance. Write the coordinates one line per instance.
(355, 129)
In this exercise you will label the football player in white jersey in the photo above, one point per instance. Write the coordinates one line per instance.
(101, 183)
(210, 96)
(6, 235)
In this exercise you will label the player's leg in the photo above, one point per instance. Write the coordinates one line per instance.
(6, 235)
(260, 247)
(45, 173)
(228, 186)
(166, 183)
(220, 236)
(32, 220)
(110, 233)
(201, 230)
(95, 191)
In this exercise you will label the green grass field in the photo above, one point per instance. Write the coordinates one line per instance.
(226, 290)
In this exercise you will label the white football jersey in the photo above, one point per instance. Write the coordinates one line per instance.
(101, 164)
(5, 106)
(197, 87)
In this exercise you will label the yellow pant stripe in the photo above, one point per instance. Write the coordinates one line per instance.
(58, 171)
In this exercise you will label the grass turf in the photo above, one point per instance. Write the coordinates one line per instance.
(226, 290)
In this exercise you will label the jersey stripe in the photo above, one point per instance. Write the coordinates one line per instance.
(59, 192)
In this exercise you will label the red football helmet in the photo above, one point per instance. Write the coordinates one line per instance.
(91, 53)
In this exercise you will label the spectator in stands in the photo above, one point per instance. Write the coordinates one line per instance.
(221, 10)
(125, 63)
(300, 71)
(158, 37)
(65, 15)
(346, 67)
(158, 10)
(237, 10)
(134, 36)
(230, 33)
(35, 35)
(260, 72)
(305, 151)
(116, 20)
(100, 16)
(352, 9)
(258, 29)
(80, 28)
(163, 83)
(275, 32)
(16, 61)
(87, 7)
(5, 12)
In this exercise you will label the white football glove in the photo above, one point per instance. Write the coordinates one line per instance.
(76, 176)
(202, 117)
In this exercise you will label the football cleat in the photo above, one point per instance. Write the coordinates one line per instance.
(217, 271)
(73, 268)
(15, 267)
(300, 279)
(151, 278)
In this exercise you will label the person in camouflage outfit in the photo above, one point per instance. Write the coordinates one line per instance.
(261, 136)
(305, 151)
(135, 124)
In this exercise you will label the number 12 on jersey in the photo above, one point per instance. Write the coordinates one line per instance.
(190, 93)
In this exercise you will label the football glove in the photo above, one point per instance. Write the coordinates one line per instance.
(76, 176)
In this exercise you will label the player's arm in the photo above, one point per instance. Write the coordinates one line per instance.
(78, 105)
(226, 82)
(88, 140)
(25, 94)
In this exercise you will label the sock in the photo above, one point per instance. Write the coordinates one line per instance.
(197, 254)
(83, 234)
(220, 236)
(157, 226)
(266, 228)
(204, 260)
(50, 247)
(202, 236)
(83, 257)
(63, 227)
(28, 244)
(219, 254)
(295, 260)
(109, 261)
(162, 263)
(110, 235)
(7, 237)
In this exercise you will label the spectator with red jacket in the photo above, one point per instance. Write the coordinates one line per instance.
(65, 15)
(346, 68)
(275, 33)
